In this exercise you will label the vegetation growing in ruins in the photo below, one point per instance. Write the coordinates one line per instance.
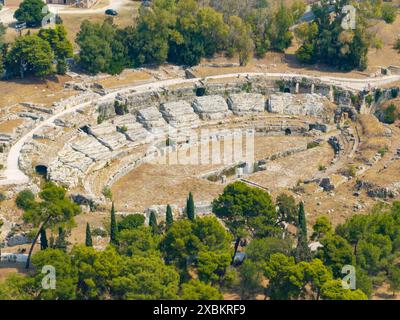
(143, 264)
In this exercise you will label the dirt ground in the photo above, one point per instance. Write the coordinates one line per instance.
(46, 91)
(287, 172)
(7, 268)
(160, 184)
(384, 293)
(386, 56)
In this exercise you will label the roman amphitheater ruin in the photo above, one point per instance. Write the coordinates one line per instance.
(152, 144)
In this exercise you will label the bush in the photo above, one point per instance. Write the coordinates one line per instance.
(382, 151)
(25, 199)
(2, 197)
(306, 54)
(98, 232)
(397, 44)
(131, 221)
(123, 129)
(120, 108)
(351, 171)
(390, 114)
(369, 99)
(107, 193)
(394, 92)
(313, 144)
(378, 94)
(388, 13)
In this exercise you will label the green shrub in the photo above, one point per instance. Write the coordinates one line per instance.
(397, 45)
(350, 171)
(312, 144)
(25, 199)
(369, 99)
(98, 232)
(390, 114)
(394, 92)
(382, 151)
(388, 13)
(107, 193)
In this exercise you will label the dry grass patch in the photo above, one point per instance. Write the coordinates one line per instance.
(35, 90)
(371, 127)
(126, 78)
(10, 125)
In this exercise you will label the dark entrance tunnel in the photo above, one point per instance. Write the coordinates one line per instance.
(200, 92)
(41, 170)
(288, 132)
(85, 129)
(286, 90)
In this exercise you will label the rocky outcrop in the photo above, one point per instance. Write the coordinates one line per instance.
(211, 107)
(16, 239)
(179, 114)
(246, 103)
(312, 105)
(376, 191)
(133, 130)
(108, 136)
(152, 120)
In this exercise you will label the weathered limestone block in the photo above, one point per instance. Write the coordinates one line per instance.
(302, 104)
(107, 134)
(133, 130)
(152, 120)
(211, 107)
(31, 115)
(16, 239)
(180, 114)
(64, 175)
(246, 103)
(69, 167)
(92, 148)
(74, 159)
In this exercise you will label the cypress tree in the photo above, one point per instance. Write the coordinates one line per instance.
(169, 219)
(113, 227)
(190, 207)
(153, 222)
(302, 252)
(61, 242)
(88, 240)
(302, 221)
(43, 240)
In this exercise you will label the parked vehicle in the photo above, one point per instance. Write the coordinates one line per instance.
(111, 12)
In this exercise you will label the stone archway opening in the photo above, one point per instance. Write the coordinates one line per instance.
(288, 132)
(201, 91)
(85, 129)
(41, 170)
(286, 90)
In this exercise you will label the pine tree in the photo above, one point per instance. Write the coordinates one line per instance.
(88, 240)
(169, 219)
(43, 240)
(153, 222)
(190, 207)
(113, 227)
